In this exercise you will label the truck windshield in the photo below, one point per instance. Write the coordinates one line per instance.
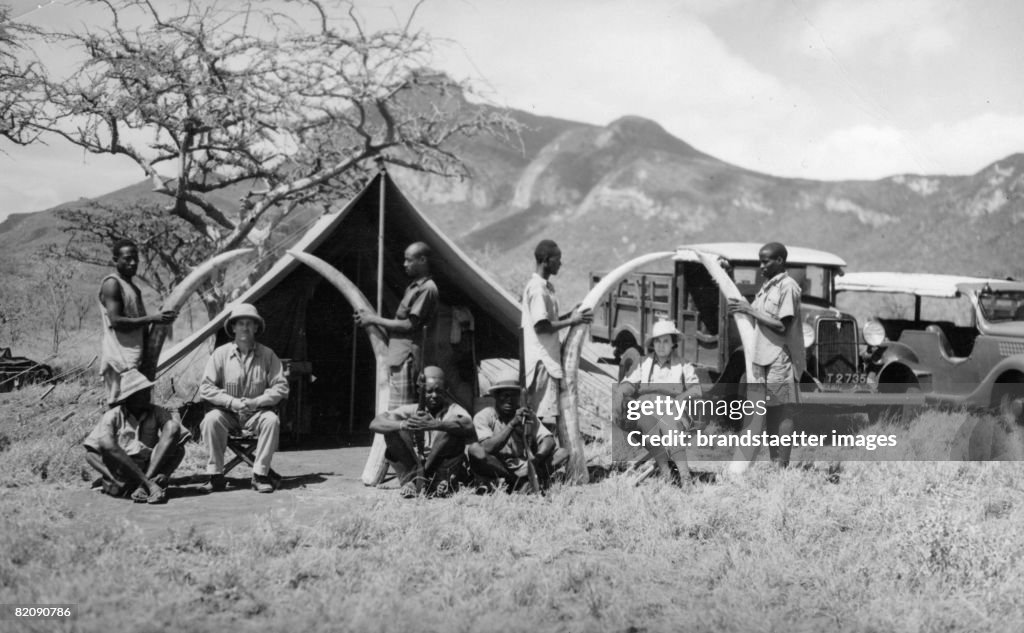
(815, 281)
(1002, 305)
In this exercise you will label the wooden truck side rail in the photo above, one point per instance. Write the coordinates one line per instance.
(629, 311)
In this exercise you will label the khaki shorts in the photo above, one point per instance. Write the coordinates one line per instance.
(773, 383)
(544, 394)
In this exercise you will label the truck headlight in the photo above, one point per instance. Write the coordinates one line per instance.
(874, 333)
(808, 334)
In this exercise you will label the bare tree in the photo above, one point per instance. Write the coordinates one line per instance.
(291, 109)
(57, 296)
(16, 312)
(81, 306)
(19, 76)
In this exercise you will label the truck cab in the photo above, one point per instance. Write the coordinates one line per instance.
(836, 375)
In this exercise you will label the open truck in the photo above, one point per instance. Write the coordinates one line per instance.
(840, 375)
(959, 340)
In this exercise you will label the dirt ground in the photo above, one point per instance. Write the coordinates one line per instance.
(315, 484)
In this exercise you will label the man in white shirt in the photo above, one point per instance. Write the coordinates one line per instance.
(778, 354)
(541, 325)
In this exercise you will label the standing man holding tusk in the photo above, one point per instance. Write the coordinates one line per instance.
(541, 325)
(406, 330)
(778, 354)
(125, 322)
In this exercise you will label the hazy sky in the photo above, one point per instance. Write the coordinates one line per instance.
(827, 89)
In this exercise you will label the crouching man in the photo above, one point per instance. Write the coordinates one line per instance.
(500, 454)
(426, 442)
(244, 382)
(137, 445)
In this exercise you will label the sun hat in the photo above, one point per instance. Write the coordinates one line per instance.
(132, 381)
(243, 311)
(661, 328)
(505, 382)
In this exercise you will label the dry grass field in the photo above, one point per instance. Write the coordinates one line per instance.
(894, 546)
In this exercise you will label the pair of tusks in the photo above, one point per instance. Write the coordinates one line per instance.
(376, 466)
(176, 301)
(568, 404)
(568, 400)
(743, 457)
(569, 424)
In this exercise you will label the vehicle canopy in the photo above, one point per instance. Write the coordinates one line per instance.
(748, 252)
(994, 306)
(921, 284)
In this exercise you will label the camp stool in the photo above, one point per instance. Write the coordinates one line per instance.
(243, 445)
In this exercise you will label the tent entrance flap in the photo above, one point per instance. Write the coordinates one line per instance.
(344, 366)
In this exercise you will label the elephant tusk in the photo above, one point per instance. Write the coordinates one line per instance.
(568, 401)
(176, 301)
(743, 457)
(376, 466)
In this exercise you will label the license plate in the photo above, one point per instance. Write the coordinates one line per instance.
(852, 378)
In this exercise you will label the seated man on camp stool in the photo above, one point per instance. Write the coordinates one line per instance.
(137, 445)
(426, 441)
(244, 381)
(500, 452)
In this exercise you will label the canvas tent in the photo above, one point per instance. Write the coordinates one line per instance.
(311, 324)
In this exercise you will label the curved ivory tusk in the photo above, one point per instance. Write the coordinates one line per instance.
(176, 301)
(376, 466)
(568, 401)
(743, 457)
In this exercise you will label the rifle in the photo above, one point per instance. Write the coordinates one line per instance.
(421, 407)
(524, 395)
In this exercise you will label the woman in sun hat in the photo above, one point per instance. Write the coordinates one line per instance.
(661, 373)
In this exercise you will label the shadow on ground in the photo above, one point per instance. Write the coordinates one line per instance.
(314, 484)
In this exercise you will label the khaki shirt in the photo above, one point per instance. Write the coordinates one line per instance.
(136, 435)
(487, 424)
(420, 300)
(779, 297)
(258, 375)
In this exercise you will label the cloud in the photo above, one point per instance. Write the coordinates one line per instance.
(884, 30)
(44, 176)
(876, 151)
(597, 61)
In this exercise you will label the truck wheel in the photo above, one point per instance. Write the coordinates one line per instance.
(1008, 401)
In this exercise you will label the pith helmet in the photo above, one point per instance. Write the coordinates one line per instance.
(247, 311)
(661, 328)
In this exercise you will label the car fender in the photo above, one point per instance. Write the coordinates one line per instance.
(897, 360)
(1004, 368)
(898, 352)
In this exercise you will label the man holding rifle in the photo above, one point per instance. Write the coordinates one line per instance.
(426, 443)
(511, 441)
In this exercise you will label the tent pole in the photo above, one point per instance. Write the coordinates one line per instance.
(380, 238)
(352, 367)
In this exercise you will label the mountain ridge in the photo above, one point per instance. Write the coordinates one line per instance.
(610, 192)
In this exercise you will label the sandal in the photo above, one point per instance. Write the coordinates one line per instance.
(408, 490)
(159, 496)
(140, 495)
